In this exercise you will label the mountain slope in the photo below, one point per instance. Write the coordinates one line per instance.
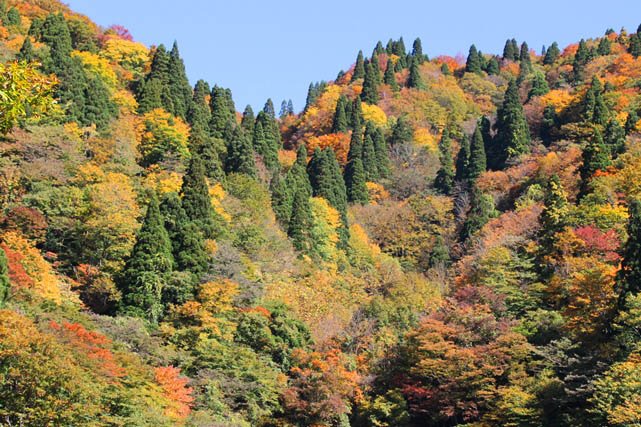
(429, 242)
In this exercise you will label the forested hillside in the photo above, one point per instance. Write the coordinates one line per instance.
(431, 241)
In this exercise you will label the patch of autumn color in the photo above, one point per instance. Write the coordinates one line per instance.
(4, 33)
(28, 269)
(627, 66)
(321, 387)
(286, 158)
(74, 131)
(361, 245)
(130, 55)
(162, 180)
(97, 66)
(93, 344)
(451, 62)
(207, 312)
(15, 42)
(339, 142)
(217, 194)
(324, 231)
(512, 68)
(444, 101)
(560, 99)
(377, 193)
(570, 50)
(47, 386)
(605, 244)
(424, 138)
(162, 133)
(175, 389)
(323, 300)
(561, 163)
(321, 114)
(508, 230)
(374, 114)
(125, 101)
(618, 392)
(584, 287)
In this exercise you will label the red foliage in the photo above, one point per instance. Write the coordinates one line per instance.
(93, 344)
(604, 244)
(17, 274)
(29, 222)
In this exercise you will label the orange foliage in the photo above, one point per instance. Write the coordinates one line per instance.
(321, 386)
(339, 142)
(176, 391)
(28, 269)
(451, 62)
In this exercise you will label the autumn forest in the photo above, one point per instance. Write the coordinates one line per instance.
(429, 241)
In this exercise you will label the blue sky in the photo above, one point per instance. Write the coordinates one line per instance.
(263, 49)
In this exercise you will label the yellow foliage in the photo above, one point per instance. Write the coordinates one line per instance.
(377, 192)
(126, 101)
(558, 98)
(97, 66)
(128, 54)
(163, 181)
(286, 158)
(361, 246)
(162, 133)
(374, 114)
(424, 138)
(73, 130)
(207, 312)
(217, 194)
(324, 231)
(25, 92)
(321, 299)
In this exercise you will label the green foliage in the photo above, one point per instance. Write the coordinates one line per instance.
(196, 200)
(300, 222)
(511, 50)
(635, 45)
(415, 80)
(473, 63)
(463, 160)
(596, 157)
(27, 52)
(513, 135)
(370, 84)
(481, 211)
(355, 177)
(614, 137)
(179, 88)
(359, 67)
(555, 215)
(340, 118)
(144, 275)
(539, 86)
(240, 153)
(5, 286)
(402, 132)
(581, 58)
(552, 54)
(445, 176)
(478, 160)
(629, 276)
